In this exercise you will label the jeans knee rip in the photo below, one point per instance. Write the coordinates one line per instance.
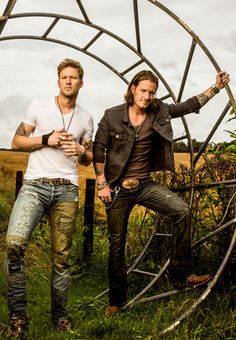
(14, 266)
(15, 248)
(61, 272)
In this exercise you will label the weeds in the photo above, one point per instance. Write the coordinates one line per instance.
(215, 319)
(212, 320)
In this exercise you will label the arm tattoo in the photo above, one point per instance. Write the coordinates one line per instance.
(98, 172)
(203, 99)
(99, 169)
(87, 144)
(21, 130)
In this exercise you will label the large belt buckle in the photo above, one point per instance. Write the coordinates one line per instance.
(130, 183)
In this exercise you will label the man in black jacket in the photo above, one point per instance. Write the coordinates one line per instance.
(132, 140)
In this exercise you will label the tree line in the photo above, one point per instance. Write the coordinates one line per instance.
(212, 147)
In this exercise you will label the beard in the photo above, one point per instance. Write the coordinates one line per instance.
(70, 94)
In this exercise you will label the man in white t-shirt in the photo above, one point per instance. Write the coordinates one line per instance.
(58, 134)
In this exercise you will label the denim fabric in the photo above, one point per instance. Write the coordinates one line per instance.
(115, 136)
(35, 199)
(159, 199)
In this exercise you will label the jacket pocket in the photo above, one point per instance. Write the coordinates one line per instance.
(118, 136)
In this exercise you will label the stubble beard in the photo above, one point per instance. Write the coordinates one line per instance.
(70, 95)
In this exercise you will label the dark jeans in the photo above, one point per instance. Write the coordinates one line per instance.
(35, 199)
(160, 199)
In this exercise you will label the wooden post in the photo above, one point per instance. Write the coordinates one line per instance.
(19, 181)
(88, 219)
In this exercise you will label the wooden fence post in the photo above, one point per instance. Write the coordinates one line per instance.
(88, 219)
(19, 181)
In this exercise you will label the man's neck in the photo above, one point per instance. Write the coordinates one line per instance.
(136, 111)
(65, 104)
(136, 115)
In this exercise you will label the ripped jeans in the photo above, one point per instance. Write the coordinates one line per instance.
(35, 199)
(160, 199)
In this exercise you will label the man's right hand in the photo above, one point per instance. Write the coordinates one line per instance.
(105, 194)
(58, 137)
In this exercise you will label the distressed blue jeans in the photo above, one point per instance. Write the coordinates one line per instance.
(36, 199)
(160, 199)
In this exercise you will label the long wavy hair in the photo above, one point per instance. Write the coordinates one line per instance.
(142, 75)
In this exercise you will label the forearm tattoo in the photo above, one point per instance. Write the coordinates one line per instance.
(203, 99)
(98, 170)
(21, 130)
(87, 145)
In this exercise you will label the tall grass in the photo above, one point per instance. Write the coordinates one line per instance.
(214, 319)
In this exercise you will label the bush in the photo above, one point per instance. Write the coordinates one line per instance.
(5, 211)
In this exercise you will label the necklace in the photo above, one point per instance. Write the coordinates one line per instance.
(137, 124)
(62, 116)
(137, 130)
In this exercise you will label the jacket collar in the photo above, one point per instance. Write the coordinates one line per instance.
(153, 113)
(125, 116)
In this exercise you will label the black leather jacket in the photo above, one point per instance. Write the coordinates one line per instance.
(115, 137)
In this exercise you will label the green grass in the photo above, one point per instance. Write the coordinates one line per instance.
(214, 319)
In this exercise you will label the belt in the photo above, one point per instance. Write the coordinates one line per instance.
(55, 181)
(132, 183)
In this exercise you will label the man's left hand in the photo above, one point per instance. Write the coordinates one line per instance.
(72, 148)
(222, 78)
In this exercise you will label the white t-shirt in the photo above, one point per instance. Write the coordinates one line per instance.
(51, 162)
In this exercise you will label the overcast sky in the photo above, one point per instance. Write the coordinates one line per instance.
(28, 67)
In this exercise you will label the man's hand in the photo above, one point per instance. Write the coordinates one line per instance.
(105, 195)
(72, 148)
(71, 145)
(222, 78)
(58, 137)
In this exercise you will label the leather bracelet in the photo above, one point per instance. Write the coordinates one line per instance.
(102, 185)
(46, 137)
(215, 89)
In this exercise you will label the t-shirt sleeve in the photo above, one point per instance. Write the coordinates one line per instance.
(30, 115)
(89, 130)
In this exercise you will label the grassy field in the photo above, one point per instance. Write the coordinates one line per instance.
(10, 162)
(18, 160)
(214, 319)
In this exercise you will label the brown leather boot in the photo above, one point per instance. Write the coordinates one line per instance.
(62, 325)
(17, 328)
(198, 280)
(192, 281)
(111, 310)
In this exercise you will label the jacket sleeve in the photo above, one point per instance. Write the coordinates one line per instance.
(101, 140)
(183, 108)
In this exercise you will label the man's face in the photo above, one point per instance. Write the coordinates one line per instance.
(143, 93)
(69, 82)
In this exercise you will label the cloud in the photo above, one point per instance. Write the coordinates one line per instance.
(29, 66)
(230, 41)
(12, 110)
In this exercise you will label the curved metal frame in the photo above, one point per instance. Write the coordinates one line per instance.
(214, 280)
(137, 50)
(205, 293)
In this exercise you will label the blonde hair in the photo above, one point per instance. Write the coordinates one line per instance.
(72, 63)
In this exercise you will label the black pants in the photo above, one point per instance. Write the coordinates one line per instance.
(160, 199)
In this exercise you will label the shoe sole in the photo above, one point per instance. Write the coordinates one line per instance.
(199, 284)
